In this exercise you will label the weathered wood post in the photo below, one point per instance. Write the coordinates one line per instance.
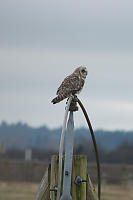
(82, 190)
(79, 169)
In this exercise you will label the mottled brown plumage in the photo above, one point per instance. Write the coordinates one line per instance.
(71, 85)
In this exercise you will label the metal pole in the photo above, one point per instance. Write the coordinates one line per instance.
(68, 159)
(61, 148)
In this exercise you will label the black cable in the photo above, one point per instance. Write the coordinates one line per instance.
(95, 147)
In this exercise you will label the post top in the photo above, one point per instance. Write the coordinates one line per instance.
(73, 105)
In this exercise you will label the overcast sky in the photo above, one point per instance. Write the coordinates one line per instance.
(43, 41)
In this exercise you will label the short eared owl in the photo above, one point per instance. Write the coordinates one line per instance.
(71, 85)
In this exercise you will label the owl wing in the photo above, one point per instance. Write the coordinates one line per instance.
(71, 84)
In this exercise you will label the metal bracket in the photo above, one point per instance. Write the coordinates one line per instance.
(73, 106)
(53, 189)
(79, 180)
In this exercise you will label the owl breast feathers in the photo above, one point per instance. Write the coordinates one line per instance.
(71, 85)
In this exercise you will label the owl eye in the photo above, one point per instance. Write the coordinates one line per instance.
(83, 70)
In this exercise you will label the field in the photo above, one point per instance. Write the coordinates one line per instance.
(27, 191)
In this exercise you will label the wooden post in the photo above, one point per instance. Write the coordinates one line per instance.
(54, 177)
(91, 193)
(79, 168)
(82, 191)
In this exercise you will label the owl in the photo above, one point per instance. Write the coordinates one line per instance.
(71, 85)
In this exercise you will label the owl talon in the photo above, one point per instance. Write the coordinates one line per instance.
(75, 98)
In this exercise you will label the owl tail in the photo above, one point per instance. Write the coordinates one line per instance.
(58, 99)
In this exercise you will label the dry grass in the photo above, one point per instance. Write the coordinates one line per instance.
(117, 192)
(17, 190)
(27, 191)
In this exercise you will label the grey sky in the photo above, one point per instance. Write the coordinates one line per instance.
(43, 41)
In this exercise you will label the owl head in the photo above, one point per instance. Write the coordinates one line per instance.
(82, 71)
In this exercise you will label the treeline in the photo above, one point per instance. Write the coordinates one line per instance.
(122, 154)
(21, 136)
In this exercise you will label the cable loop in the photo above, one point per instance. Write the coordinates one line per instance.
(95, 146)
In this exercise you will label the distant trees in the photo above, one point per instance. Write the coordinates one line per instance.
(113, 146)
(21, 136)
(13, 153)
(122, 154)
